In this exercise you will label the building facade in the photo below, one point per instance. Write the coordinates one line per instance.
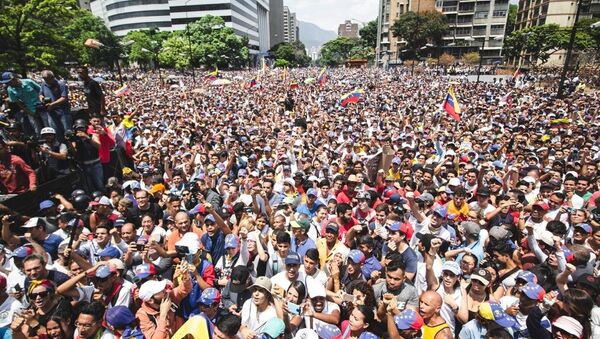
(474, 26)
(348, 29)
(276, 21)
(290, 26)
(541, 12)
(249, 18)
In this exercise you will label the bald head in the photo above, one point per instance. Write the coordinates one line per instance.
(430, 304)
(182, 222)
(433, 298)
(128, 232)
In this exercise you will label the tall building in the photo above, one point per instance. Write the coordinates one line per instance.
(348, 29)
(248, 18)
(276, 21)
(474, 26)
(541, 12)
(85, 4)
(290, 26)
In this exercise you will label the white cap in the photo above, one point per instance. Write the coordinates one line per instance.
(569, 325)
(529, 179)
(150, 288)
(191, 241)
(454, 182)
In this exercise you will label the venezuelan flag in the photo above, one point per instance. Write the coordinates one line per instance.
(451, 105)
(122, 91)
(252, 83)
(322, 76)
(294, 85)
(352, 97)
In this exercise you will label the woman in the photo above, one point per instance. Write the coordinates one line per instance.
(44, 302)
(468, 264)
(474, 294)
(257, 310)
(448, 287)
(57, 328)
(289, 308)
(149, 230)
(361, 320)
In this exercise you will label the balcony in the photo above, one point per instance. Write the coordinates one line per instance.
(448, 9)
(479, 32)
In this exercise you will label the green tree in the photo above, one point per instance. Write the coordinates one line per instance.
(285, 51)
(418, 29)
(144, 46)
(337, 51)
(178, 51)
(217, 45)
(368, 34)
(86, 26)
(511, 18)
(31, 33)
(281, 63)
(294, 53)
(471, 58)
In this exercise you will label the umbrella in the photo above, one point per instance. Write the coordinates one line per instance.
(99, 79)
(238, 77)
(220, 82)
(174, 86)
(309, 80)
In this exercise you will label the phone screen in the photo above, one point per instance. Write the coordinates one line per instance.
(293, 308)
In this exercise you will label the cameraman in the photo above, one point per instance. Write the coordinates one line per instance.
(53, 154)
(57, 95)
(25, 93)
(86, 153)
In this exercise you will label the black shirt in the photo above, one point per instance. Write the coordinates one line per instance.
(93, 94)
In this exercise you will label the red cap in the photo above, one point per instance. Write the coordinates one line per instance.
(542, 205)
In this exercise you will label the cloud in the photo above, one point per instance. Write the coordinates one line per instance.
(328, 14)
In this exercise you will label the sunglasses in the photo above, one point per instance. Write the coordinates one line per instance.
(33, 296)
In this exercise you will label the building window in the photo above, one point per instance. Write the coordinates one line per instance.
(138, 14)
(481, 15)
(123, 4)
(498, 14)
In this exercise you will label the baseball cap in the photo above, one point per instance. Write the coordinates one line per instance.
(102, 201)
(210, 218)
(425, 197)
(396, 161)
(490, 310)
(274, 327)
(111, 252)
(541, 204)
(395, 198)
(46, 204)
(199, 208)
(482, 275)
(452, 266)
(302, 223)
(144, 271)
(7, 77)
(402, 227)
(119, 316)
(441, 211)
(390, 178)
(454, 182)
(293, 259)
(586, 227)
(239, 277)
(104, 271)
(533, 291)
(408, 319)
(313, 192)
(116, 263)
(483, 192)
(264, 283)
(497, 179)
(210, 296)
(499, 233)
(151, 287)
(34, 222)
(332, 226)
(527, 276)
(23, 251)
(368, 335)
(569, 325)
(231, 241)
(589, 281)
(471, 228)
(119, 222)
(356, 256)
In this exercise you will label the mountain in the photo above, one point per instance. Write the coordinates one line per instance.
(314, 36)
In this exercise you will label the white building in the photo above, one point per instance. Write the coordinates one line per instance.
(248, 18)
(290, 26)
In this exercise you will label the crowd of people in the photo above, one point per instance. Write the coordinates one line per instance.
(270, 208)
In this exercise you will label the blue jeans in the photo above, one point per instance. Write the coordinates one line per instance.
(95, 175)
(32, 125)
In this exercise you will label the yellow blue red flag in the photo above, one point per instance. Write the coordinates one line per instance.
(451, 105)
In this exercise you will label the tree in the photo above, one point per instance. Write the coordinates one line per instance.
(31, 33)
(471, 58)
(281, 63)
(511, 19)
(285, 51)
(447, 59)
(86, 26)
(337, 51)
(144, 46)
(540, 42)
(294, 53)
(217, 45)
(177, 51)
(418, 29)
(368, 34)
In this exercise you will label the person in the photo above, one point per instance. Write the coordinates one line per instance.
(301, 242)
(54, 154)
(395, 287)
(58, 111)
(89, 321)
(489, 316)
(86, 154)
(16, 176)
(406, 325)
(94, 94)
(121, 323)
(25, 94)
(256, 312)
(227, 327)
(434, 326)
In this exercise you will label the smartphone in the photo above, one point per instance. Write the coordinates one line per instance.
(140, 247)
(348, 297)
(293, 308)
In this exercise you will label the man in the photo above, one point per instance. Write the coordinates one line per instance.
(36, 233)
(536, 218)
(213, 239)
(58, 108)
(300, 241)
(274, 198)
(210, 301)
(395, 286)
(503, 257)
(458, 205)
(372, 267)
(227, 327)
(89, 321)
(343, 218)
(24, 93)
(282, 280)
(434, 327)
(183, 225)
(399, 234)
(311, 205)
(330, 244)
(54, 154)
(88, 251)
(434, 224)
(145, 206)
(15, 175)
(86, 153)
(490, 316)
(93, 93)
(34, 266)
(237, 292)
(9, 306)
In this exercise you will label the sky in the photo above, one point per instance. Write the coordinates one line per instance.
(328, 14)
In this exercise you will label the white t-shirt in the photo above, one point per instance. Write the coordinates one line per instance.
(316, 323)
(282, 280)
(255, 320)
(123, 299)
(319, 275)
(446, 310)
(8, 308)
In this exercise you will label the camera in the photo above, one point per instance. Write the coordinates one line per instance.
(182, 251)
(70, 136)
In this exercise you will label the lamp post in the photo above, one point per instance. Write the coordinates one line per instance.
(563, 74)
